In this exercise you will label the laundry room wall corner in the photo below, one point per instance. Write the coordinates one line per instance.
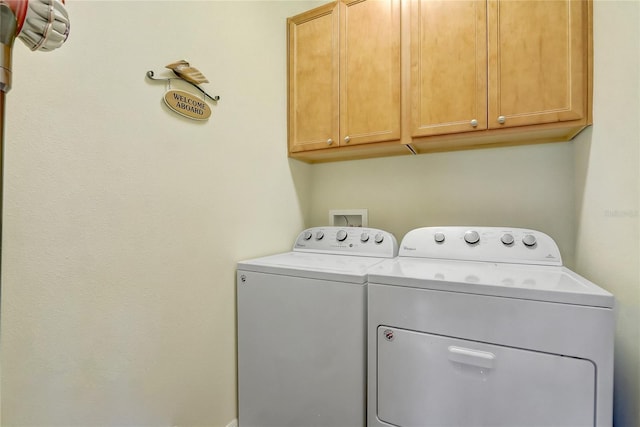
(301, 174)
(607, 159)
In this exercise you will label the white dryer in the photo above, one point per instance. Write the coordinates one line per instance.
(302, 329)
(483, 326)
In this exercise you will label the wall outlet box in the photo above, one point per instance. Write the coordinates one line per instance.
(349, 217)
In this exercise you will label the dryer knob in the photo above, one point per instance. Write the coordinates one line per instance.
(364, 237)
(379, 238)
(306, 235)
(341, 236)
(471, 237)
(529, 240)
(438, 237)
(507, 239)
(319, 235)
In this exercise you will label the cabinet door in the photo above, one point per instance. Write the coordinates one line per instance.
(313, 55)
(537, 61)
(448, 67)
(369, 71)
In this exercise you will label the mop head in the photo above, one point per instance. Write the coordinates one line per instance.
(45, 26)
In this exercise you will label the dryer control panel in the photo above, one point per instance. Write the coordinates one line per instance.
(488, 244)
(357, 241)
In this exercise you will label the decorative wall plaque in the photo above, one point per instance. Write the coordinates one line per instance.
(182, 102)
(188, 105)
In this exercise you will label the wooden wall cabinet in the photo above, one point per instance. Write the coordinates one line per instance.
(344, 81)
(496, 72)
(371, 78)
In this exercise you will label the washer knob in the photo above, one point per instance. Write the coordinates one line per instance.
(379, 238)
(529, 240)
(471, 237)
(341, 236)
(306, 235)
(438, 237)
(364, 237)
(507, 239)
(319, 235)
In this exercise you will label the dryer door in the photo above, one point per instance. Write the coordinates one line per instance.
(431, 380)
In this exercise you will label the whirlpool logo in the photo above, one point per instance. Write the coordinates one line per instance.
(407, 248)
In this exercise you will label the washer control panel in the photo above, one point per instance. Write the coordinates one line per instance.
(489, 244)
(348, 241)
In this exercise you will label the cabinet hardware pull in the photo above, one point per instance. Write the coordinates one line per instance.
(502, 119)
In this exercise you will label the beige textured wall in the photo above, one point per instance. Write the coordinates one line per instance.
(529, 186)
(608, 189)
(124, 221)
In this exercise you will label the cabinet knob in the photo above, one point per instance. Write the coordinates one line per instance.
(474, 123)
(502, 119)
(329, 141)
(347, 139)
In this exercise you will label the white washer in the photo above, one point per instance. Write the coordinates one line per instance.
(302, 329)
(483, 326)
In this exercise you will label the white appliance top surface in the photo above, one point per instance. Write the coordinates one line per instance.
(343, 268)
(541, 283)
(497, 261)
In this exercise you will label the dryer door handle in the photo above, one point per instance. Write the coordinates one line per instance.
(467, 356)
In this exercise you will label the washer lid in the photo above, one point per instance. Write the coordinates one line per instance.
(341, 268)
(541, 283)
